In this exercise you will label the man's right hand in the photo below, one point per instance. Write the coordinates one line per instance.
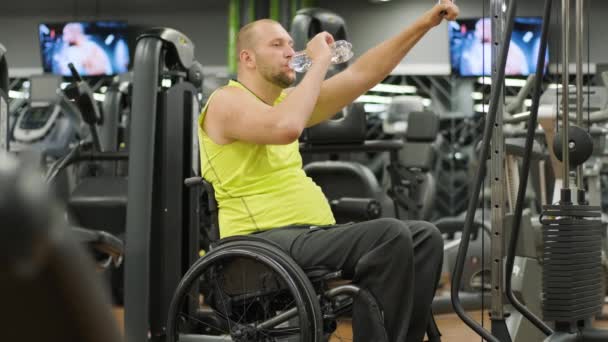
(318, 48)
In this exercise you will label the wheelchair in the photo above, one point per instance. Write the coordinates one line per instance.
(246, 288)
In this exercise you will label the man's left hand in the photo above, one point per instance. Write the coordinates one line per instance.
(446, 9)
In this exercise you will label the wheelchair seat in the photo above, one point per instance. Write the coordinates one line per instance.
(315, 274)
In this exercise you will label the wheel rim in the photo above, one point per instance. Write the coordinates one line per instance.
(239, 316)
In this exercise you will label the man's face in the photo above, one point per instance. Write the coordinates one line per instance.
(483, 30)
(273, 50)
(72, 33)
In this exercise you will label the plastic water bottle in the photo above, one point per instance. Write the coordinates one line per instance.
(341, 52)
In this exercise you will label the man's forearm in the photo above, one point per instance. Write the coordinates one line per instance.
(378, 62)
(297, 108)
(369, 69)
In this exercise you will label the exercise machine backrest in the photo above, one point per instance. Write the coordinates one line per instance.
(349, 129)
(97, 202)
(340, 180)
(398, 112)
(418, 151)
(417, 157)
(344, 136)
(46, 275)
(308, 22)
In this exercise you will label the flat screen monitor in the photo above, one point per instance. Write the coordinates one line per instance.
(97, 48)
(471, 47)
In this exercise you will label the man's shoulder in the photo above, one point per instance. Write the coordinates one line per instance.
(224, 97)
(229, 93)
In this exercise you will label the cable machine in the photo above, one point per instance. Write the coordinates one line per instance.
(571, 229)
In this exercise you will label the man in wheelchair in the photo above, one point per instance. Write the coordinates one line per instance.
(248, 134)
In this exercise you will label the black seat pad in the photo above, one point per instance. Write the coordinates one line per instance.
(100, 203)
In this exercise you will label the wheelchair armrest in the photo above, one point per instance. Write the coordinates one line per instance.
(356, 208)
(322, 273)
(194, 181)
(200, 181)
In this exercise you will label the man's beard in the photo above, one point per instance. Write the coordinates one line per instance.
(280, 79)
(283, 80)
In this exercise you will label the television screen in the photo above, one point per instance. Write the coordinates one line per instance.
(95, 48)
(471, 47)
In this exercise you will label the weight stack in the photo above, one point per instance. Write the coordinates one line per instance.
(572, 269)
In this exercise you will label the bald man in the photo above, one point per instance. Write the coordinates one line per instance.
(88, 57)
(248, 134)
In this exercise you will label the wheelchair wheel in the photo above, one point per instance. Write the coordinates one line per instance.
(245, 291)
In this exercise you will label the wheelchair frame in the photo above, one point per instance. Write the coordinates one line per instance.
(318, 299)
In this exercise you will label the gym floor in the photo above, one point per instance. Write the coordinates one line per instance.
(452, 328)
(450, 325)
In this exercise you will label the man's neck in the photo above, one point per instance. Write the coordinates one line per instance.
(264, 90)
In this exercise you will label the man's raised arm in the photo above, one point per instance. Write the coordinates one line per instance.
(377, 63)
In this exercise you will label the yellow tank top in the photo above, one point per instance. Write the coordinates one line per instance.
(260, 187)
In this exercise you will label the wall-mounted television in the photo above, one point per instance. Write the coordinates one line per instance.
(98, 48)
(471, 47)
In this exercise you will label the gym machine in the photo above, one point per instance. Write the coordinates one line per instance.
(572, 230)
(162, 215)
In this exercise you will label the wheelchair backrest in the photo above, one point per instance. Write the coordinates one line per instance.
(209, 221)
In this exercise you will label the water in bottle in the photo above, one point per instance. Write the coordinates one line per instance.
(341, 52)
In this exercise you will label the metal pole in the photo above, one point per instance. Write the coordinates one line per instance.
(233, 29)
(4, 114)
(497, 168)
(274, 10)
(262, 9)
(294, 6)
(245, 16)
(488, 132)
(250, 11)
(309, 3)
(565, 91)
(579, 80)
